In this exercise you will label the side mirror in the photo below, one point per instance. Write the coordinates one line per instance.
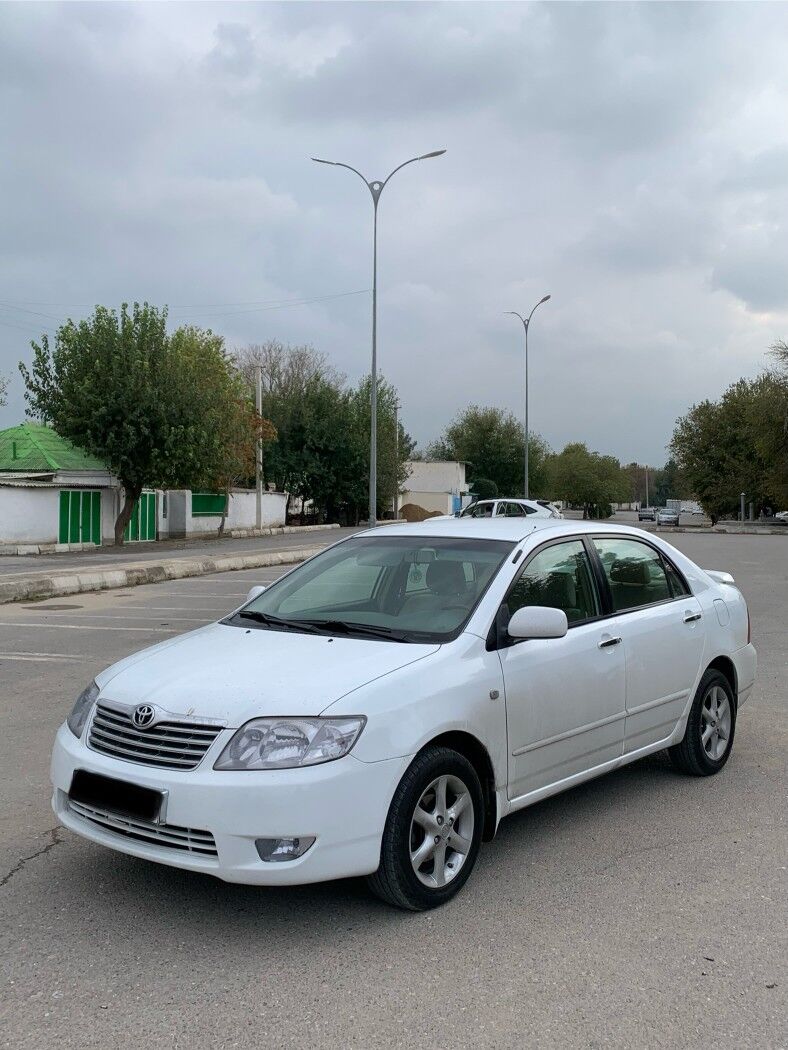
(538, 621)
(255, 592)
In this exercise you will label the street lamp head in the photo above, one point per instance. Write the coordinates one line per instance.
(544, 300)
(319, 160)
(436, 153)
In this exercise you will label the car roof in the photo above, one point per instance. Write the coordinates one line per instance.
(513, 529)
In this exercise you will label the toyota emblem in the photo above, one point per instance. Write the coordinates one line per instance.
(143, 716)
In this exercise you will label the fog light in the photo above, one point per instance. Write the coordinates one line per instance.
(274, 850)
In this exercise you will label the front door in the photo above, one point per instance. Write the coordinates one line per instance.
(142, 524)
(565, 697)
(80, 516)
(662, 631)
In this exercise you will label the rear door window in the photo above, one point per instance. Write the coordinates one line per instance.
(635, 573)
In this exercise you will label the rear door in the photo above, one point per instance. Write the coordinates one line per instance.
(660, 623)
(565, 697)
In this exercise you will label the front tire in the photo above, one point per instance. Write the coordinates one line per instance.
(711, 726)
(433, 832)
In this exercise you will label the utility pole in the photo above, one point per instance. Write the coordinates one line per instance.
(647, 503)
(258, 404)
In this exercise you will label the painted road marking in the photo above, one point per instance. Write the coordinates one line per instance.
(86, 627)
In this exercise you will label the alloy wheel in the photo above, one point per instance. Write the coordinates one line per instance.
(441, 831)
(715, 722)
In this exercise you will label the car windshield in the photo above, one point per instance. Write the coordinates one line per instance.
(414, 588)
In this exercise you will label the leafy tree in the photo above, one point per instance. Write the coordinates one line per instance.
(241, 428)
(491, 441)
(737, 444)
(395, 445)
(589, 479)
(485, 488)
(148, 404)
(3, 390)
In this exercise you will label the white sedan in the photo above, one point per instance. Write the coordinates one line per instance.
(381, 707)
(509, 508)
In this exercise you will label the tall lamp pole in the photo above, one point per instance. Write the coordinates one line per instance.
(526, 325)
(376, 189)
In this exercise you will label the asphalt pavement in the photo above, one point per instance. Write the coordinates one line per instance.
(644, 909)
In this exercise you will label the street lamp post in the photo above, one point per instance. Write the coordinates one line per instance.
(376, 189)
(526, 325)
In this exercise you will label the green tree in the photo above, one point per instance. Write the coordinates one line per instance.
(737, 444)
(491, 441)
(588, 479)
(147, 403)
(484, 488)
(395, 445)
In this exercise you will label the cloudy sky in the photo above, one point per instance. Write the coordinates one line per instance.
(631, 160)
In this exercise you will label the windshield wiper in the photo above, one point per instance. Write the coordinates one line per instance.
(275, 621)
(350, 627)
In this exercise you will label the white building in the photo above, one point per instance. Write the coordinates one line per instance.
(53, 493)
(439, 487)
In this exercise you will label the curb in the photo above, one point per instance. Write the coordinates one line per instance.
(57, 585)
(28, 549)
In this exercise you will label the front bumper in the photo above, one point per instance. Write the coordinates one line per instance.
(343, 804)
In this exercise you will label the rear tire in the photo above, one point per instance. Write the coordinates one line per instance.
(433, 832)
(711, 726)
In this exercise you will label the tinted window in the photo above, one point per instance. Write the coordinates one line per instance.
(514, 510)
(560, 577)
(634, 571)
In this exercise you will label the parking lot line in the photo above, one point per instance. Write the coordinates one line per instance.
(86, 627)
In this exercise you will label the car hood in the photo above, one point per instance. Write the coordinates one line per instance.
(231, 674)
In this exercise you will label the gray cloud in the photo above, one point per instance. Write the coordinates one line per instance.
(629, 159)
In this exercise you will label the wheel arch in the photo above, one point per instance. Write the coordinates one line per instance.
(477, 754)
(727, 668)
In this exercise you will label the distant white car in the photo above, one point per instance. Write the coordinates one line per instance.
(508, 508)
(378, 709)
(782, 515)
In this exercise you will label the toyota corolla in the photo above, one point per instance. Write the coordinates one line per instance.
(382, 706)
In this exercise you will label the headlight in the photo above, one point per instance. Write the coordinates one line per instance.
(284, 743)
(81, 709)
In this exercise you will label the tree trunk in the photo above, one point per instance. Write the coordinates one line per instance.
(130, 497)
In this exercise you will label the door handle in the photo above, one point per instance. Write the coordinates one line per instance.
(690, 617)
(607, 642)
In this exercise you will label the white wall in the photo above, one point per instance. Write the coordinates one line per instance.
(430, 501)
(241, 513)
(29, 515)
(442, 476)
(32, 515)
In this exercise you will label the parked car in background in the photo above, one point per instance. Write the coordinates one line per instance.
(782, 515)
(379, 708)
(667, 516)
(647, 514)
(505, 508)
(557, 513)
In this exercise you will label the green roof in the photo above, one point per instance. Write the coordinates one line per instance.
(32, 446)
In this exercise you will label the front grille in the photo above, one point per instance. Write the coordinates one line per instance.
(171, 745)
(190, 840)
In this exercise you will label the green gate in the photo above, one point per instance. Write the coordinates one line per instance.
(142, 525)
(80, 516)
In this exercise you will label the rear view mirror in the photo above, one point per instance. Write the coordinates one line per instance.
(538, 621)
(255, 592)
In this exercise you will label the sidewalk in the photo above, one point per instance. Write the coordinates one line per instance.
(106, 567)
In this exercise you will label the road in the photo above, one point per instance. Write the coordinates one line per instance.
(644, 909)
(110, 557)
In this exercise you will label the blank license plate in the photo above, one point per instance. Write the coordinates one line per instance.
(115, 796)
